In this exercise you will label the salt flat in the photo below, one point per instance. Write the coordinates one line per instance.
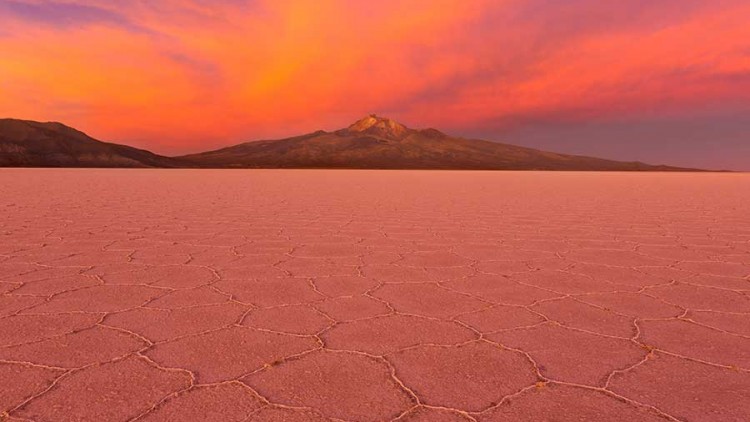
(373, 296)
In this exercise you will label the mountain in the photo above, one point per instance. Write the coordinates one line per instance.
(371, 143)
(380, 143)
(26, 143)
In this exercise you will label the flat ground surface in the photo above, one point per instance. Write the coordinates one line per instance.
(180, 295)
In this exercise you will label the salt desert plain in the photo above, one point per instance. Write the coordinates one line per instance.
(284, 295)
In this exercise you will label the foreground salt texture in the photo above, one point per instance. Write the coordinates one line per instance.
(373, 296)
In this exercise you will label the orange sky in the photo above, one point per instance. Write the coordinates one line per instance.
(185, 75)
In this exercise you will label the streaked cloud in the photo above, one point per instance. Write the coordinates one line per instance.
(185, 75)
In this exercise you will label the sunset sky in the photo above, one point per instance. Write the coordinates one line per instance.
(663, 81)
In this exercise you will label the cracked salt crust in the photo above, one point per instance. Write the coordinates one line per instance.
(373, 296)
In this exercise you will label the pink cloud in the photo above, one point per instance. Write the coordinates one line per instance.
(180, 76)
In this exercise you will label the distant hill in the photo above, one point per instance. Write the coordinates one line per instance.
(379, 143)
(370, 143)
(26, 143)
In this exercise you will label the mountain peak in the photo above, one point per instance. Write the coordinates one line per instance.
(379, 126)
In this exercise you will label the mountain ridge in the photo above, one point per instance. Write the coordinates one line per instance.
(27, 143)
(372, 142)
(380, 143)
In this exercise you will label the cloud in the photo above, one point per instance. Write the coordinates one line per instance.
(184, 75)
(63, 15)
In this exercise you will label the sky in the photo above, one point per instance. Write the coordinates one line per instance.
(661, 81)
